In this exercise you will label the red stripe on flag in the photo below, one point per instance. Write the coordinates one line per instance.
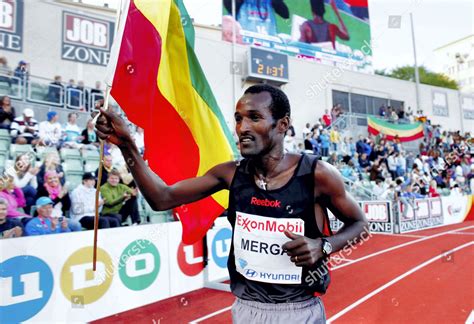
(416, 136)
(170, 147)
(171, 150)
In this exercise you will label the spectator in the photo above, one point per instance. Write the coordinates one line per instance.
(433, 193)
(73, 94)
(290, 143)
(118, 161)
(139, 138)
(348, 171)
(8, 227)
(364, 162)
(392, 165)
(393, 117)
(360, 145)
(51, 162)
(120, 200)
(401, 114)
(335, 138)
(333, 159)
(311, 144)
(22, 72)
(318, 128)
(7, 112)
(96, 93)
(5, 71)
(24, 129)
(107, 167)
(292, 129)
(50, 131)
(89, 137)
(72, 132)
(85, 95)
(401, 164)
(324, 139)
(83, 210)
(379, 189)
(343, 148)
(407, 197)
(352, 147)
(56, 91)
(306, 130)
(53, 189)
(327, 119)
(24, 177)
(14, 196)
(44, 223)
(382, 110)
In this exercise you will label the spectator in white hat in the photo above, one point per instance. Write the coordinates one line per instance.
(24, 129)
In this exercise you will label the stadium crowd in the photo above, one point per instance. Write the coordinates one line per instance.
(36, 198)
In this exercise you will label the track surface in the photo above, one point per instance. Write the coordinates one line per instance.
(419, 277)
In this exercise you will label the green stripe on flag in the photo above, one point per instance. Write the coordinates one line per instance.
(199, 80)
(400, 127)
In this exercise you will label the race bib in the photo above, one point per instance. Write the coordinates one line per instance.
(258, 248)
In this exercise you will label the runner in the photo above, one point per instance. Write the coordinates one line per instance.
(277, 207)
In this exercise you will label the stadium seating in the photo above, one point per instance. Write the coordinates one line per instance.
(16, 149)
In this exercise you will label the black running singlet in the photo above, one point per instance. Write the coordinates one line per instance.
(294, 200)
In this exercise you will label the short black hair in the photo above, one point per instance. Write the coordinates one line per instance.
(317, 7)
(280, 106)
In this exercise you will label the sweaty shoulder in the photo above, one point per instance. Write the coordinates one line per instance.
(327, 179)
(224, 172)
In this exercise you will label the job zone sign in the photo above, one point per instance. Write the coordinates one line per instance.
(11, 25)
(86, 39)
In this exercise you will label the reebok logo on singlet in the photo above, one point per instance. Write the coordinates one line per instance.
(265, 202)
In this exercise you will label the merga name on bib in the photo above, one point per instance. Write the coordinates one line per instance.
(258, 249)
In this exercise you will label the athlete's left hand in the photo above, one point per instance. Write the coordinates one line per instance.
(303, 250)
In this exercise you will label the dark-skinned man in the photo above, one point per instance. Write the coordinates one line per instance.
(277, 208)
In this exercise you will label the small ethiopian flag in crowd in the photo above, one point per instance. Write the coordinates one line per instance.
(405, 132)
(157, 80)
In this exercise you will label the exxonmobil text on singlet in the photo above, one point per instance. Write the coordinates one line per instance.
(258, 249)
(269, 224)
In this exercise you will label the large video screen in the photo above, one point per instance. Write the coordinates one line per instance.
(335, 32)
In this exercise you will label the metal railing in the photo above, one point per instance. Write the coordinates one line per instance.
(11, 86)
(358, 190)
(44, 92)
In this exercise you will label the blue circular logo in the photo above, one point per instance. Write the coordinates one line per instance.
(221, 247)
(27, 284)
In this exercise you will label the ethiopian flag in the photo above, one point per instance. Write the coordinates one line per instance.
(405, 132)
(157, 80)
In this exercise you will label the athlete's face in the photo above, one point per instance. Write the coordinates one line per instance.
(257, 130)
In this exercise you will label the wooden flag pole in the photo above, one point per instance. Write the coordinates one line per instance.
(99, 180)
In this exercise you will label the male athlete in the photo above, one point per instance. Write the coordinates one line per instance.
(277, 207)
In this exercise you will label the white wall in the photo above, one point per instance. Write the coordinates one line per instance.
(42, 32)
(309, 90)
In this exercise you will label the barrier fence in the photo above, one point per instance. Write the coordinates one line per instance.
(51, 276)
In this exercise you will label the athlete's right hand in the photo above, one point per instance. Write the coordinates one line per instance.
(111, 127)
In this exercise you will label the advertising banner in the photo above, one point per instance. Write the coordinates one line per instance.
(418, 214)
(51, 277)
(457, 209)
(334, 32)
(86, 39)
(219, 239)
(378, 213)
(11, 25)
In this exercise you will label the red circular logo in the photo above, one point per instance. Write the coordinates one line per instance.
(190, 258)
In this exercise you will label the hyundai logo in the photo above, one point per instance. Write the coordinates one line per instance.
(251, 273)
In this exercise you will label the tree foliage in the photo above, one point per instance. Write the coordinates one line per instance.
(426, 76)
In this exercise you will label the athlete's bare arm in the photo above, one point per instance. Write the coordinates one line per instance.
(330, 191)
(111, 127)
(330, 188)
